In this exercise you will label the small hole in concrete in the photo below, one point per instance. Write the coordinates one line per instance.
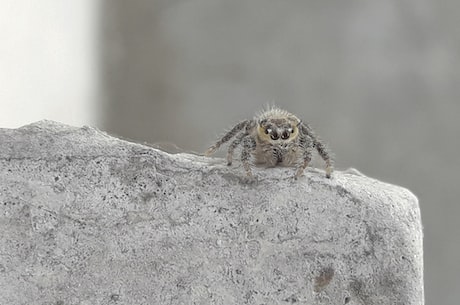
(115, 297)
(347, 300)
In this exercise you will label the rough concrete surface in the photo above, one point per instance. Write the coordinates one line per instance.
(90, 219)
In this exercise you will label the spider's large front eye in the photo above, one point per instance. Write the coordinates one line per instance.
(274, 136)
(285, 135)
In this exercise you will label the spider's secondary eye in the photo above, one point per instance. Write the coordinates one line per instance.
(274, 136)
(285, 135)
(268, 130)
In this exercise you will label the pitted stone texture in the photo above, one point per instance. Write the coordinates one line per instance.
(90, 219)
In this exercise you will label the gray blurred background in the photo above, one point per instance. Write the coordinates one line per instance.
(378, 80)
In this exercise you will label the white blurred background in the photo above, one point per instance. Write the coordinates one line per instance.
(378, 80)
(48, 61)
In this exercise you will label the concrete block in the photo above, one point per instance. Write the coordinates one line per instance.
(86, 218)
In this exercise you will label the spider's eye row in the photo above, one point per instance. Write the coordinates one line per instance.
(285, 135)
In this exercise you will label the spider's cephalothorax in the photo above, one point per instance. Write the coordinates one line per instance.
(275, 137)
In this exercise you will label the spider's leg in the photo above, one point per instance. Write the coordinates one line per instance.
(233, 145)
(226, 137)
(325, 154)
(249, 145)
(323, 151)
(306, 144)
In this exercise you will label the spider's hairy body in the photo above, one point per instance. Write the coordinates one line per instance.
(274, 137)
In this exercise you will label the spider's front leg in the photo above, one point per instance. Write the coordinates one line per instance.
(326, 155)
(249, 145)
(238, 127)
(233, 145)
(320, 147)
(306, 145)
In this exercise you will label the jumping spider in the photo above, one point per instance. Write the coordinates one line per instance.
(275, 137)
